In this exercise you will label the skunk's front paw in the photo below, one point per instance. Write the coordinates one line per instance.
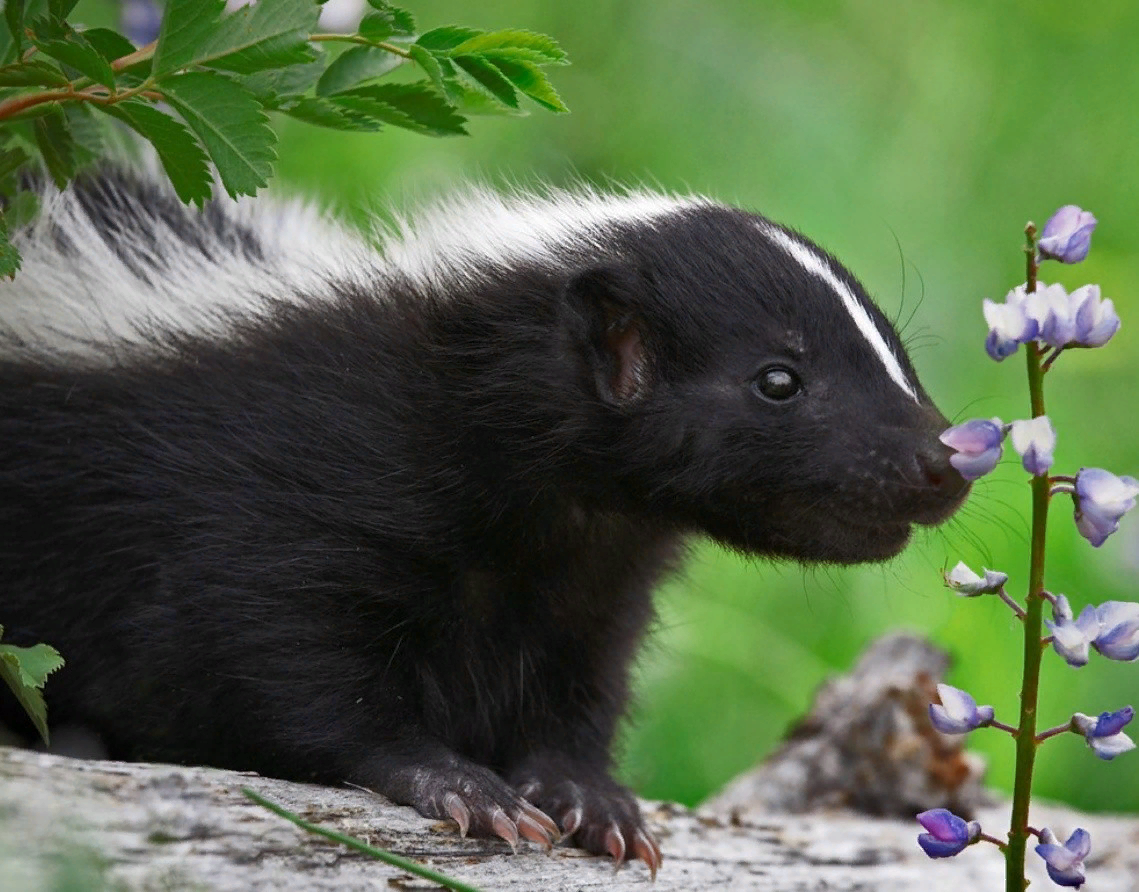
(598, 814)
(482, 804)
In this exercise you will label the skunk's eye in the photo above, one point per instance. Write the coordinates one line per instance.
(777, 383)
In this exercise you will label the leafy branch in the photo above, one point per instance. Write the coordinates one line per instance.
(201, 91)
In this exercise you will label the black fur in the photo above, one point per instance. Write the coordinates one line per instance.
(407, 539)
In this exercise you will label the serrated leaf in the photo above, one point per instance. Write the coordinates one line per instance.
(354, 66)
(525, 45)
(402, 21)
(411, 106)
(9, 256)
(22, 208)
(12, 160)
(181, 156)
(276, 84)
(24, 670)
(445, 39)
(32, 73)
(430, 65)
(324, 113)
(85, 131)
(529, 79)
(60, 9)
(111, 45)
(486, 77)
(60, 41)
(270, 34)
(186, 25)
(231, 125)
(376, 26)
(53, 138)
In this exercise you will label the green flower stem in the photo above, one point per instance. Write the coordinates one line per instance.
(387, 857)
(1026, 742)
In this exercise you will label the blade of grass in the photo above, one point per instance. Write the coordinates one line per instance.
(360, 846)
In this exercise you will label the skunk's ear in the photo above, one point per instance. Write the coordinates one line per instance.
(610, 333)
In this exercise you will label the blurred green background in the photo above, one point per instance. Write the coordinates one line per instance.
(912, 139)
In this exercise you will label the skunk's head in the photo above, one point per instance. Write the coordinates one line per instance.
(753, 390)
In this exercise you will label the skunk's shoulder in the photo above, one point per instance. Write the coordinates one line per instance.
(117, 258)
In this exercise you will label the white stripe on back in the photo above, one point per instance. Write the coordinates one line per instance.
(817, 266)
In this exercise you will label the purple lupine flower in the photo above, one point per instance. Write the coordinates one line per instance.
(1067, 235)
(947, 834)
(958, 713)
(1118, 637)
(1009, 323)
(1104, 733)
(968, 584)
(140, 21)
(1065, 862)
(1071, 637)
(1052, 308)
(977, 444)
(1034, 440)
(1096, 319)
(1101, 500)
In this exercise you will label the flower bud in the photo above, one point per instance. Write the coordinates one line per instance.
(977, 444)
(1096, 319)
(968, 584)
(1104, 733)
(1118, 637)
(1072, 638)
(1067, 235)
(1034, 440)
(1065, 863)
(1009, 326)
(947, 834)
(1101, 500)
(958, 713)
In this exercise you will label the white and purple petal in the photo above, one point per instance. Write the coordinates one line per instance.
(1034, 440)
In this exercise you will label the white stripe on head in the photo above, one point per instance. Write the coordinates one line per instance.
(817, 266)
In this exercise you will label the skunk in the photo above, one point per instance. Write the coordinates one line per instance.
(389, 510)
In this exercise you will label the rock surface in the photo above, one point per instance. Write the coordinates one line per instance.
(160, 827)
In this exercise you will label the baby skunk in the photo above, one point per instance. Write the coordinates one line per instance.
(391, 514)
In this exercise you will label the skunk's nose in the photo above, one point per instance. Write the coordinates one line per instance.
(938, 474)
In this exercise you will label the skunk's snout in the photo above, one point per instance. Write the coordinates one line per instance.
(942, 485)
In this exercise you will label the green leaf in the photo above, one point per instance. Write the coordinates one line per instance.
(525, 46)
(22, 209)
(275, 84)
(446, 38)
(53, 138)
(412, 106)
(186, 25)
(270, 34)
(14, 18)
(107, 43)
(354, 66)
(60, 41)
(231, 125)
(60, 9)
(9, 256)
(181, 156)
(25, 669)
(425, 60)
(376, 26)
(402, 21)
(33, 73)
(85, 131)
(12, 160)
(488, 78)
(324, 113)
(528, 78)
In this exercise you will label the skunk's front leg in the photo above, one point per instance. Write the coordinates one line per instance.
(599, 814)
(439, 783)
